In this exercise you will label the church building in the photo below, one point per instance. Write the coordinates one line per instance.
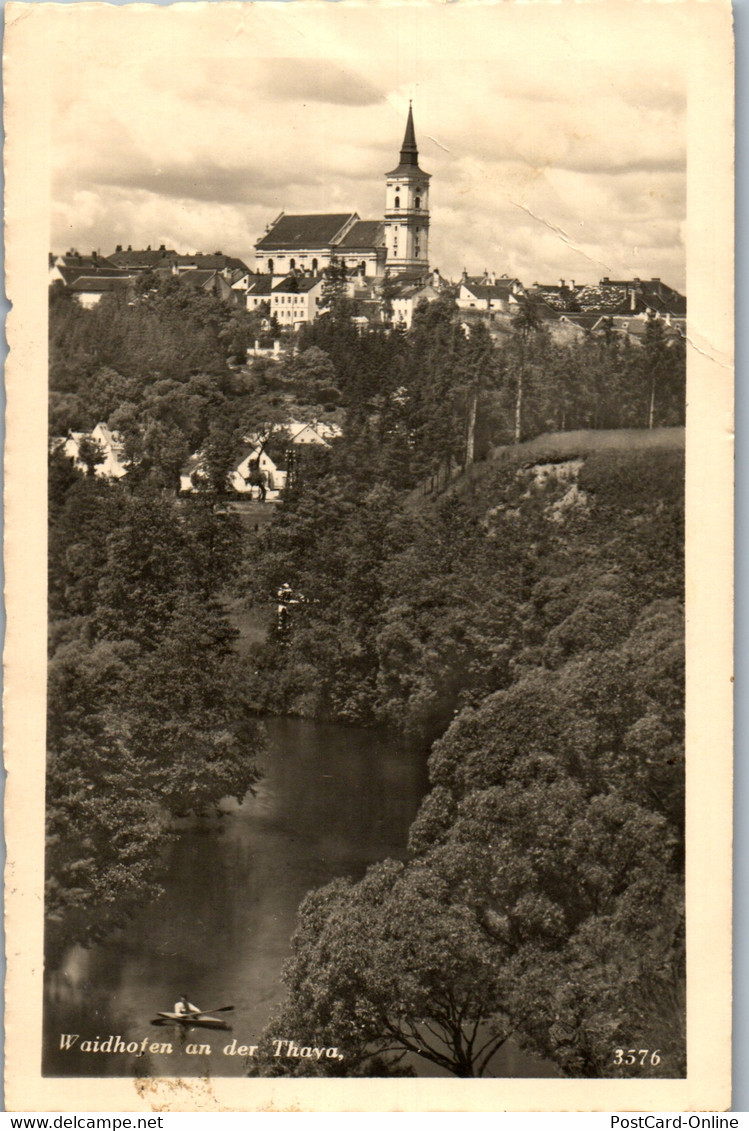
(399, 242)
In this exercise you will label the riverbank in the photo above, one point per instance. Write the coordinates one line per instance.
(332, 801)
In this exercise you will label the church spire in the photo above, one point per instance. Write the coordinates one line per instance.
(407, 207)
(409, 152)
(409, 159)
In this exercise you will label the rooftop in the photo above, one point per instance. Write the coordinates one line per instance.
(100, 284)
(297, 284)
(298, 233)
(364, 234)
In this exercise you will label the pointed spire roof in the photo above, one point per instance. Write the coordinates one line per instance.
(409, 152)
(409, 160)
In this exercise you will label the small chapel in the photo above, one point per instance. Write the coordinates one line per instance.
(397, 243)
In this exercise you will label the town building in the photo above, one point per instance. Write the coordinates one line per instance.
(113, 463)
(407, 297)
(296, 300)
(309, 243)
(490, 294)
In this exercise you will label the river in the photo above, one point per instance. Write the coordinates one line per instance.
(333, 800)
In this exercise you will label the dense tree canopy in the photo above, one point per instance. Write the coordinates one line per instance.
(528, 621)
(542, 613)
(148, 714)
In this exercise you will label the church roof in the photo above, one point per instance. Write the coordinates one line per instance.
(409, 160)
(364, 234)
(298, 233)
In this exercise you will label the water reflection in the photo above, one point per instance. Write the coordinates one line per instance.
(333, 801)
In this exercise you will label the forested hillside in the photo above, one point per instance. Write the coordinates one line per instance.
(541, 616)
(527, 621)
(148, 717)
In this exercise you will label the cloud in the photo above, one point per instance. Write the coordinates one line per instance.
(575, 112)
(304, 80)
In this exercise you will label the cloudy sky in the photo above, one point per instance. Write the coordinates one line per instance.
(555, 133)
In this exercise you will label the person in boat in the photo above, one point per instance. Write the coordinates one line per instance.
(184, 1007)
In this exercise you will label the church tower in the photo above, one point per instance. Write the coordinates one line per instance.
(407, 207)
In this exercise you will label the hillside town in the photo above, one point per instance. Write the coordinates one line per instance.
(303, 264)
(385, 279)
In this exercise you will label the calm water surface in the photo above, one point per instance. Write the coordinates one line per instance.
(333, 801)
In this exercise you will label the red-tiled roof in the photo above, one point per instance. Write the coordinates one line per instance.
(297, 233)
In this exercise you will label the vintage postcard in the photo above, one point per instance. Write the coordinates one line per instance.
(368, 553)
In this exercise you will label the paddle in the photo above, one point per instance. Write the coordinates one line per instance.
(204, 1012)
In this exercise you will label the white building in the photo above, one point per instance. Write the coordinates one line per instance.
(296, 300)
(110, 443)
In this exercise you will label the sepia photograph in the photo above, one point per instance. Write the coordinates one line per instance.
(383, 351)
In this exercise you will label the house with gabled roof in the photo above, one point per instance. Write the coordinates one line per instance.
(256, 465)
(407, 297)
(227, 265)
(113, 465)
(296, 300)
(147, 259)
(90, 289)
(491, 295)
(68, 267)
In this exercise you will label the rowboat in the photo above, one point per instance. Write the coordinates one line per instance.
(191, 1020)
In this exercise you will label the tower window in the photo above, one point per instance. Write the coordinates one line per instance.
(418, 202)
(397, 202)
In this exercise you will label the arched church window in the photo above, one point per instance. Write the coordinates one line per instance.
(397, 202)
(418, 201)
(292, 264)
(314, 265)
(270, 266)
